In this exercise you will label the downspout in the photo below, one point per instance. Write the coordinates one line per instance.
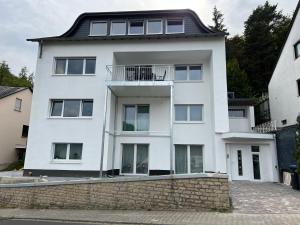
(171, 131)
(114, 142)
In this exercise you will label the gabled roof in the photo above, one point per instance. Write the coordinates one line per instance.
(130, 14)
(6, 91)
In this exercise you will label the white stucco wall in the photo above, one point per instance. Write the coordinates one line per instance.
(242, 124)
(283, 91)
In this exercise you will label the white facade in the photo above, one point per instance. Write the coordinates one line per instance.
(283, 87)
(103, 131)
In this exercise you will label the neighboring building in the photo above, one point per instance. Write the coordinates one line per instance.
(140, 93)
(284, 92)
(15, 105)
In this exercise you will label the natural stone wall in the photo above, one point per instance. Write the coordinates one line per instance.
(163, 192)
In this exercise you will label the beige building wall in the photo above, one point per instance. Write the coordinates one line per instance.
(11, 125)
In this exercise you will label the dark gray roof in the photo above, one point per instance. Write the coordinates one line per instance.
(79, 31)
(241, 102)
(6, 91)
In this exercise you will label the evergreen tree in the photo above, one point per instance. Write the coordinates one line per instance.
(218, 19)
(4, 69)
(297, 151)
(24, 73)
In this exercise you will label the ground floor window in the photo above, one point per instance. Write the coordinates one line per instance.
(66, 151)
(188, 159)
(135, 158)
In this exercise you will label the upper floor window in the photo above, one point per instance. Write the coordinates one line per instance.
(75, 66)
(237, 113)
(183, 72)
(136, 118)
(25, 131)
(118, 28)
(71, 108)
(297, 49)
(136, 27)
(188, 113)
(98, 28)
(154, 26)
(18, 104)
(175, 26)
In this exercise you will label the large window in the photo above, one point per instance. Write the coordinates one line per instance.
(136, 27)
(67, 151)
(154, 26)
(298, 86)
(136, 118)
(135, 159)
(71, 108)
(188, 113)
(175, 26)
(297, 49)
(75, 66)
(188, 159)
(237, 113)
(98, 28)
(18, 104)
(191, 72)
(118, 28)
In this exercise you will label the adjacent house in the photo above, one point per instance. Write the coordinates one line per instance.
(15, 105)
(284, 94)
(141, 93)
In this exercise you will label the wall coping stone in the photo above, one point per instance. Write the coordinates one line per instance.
(117, 179)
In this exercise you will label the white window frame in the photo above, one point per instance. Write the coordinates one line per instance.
(135, 118)
(237, 117)
(175, 19)
(67, 65)
(297, 52)
(98, 21)
(63, 106)
(161, 26)
(188, 114)
(134, 159)
(117, 21)
(188, 73)
(129, 25)
(18, 100)
(67, 160)
(188, 148)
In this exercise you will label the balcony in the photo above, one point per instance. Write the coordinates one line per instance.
(267, 127)
(140, 80)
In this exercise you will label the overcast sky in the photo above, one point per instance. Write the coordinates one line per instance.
(22, 19)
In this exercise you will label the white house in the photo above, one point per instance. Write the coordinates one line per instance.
(284, 93)
(140, 93)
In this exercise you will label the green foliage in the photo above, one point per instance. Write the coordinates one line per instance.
(218, 21)
(8, 79)
(297, 151)
(15, 166)
(237, 79)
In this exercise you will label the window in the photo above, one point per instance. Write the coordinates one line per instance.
(71, 108)
(192, 72)
(240, 162)
(18, 104)
(75, 66)
(175, 26)
(255, 148)
(237, 113)
(98, 28)
(283, 122)
(297, 49)
(298, 86)
(154, 26)
(135, 158)
(188, 112)
(136, 118)
(64, 151)
(25, 131)
(118, 28)
(136, 27)
(188, 159)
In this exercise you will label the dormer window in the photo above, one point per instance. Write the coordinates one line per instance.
(136, 27)
(154, 26)
(297, 49)
(118, 28)
(98, 28)
(174, 26)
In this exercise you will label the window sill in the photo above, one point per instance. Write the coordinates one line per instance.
(188, 81)
(238, 118)
(73, 75)
(69, 118)
(65, 161)
(17, 110)
(188, 122)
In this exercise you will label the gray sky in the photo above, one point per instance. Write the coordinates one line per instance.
(21, 19)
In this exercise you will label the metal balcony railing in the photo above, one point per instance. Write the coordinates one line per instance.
(267, 127)
(140, 72)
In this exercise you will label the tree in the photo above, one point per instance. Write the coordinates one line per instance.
(297, 151)
(218, 19)
(235, 49)
(4, 69)
(264, 33)
(24, 73)
(237, 80)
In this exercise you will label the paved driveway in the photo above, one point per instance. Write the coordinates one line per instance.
(264, 198)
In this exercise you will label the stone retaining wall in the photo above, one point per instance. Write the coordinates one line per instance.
(163, 192)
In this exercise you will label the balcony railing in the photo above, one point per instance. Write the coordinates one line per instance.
(267, 127)
(140, 72)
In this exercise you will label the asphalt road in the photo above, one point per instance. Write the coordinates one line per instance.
(40, 222)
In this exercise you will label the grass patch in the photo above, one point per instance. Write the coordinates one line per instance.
(14, 166)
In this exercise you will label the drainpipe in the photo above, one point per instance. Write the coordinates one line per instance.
(103, 133)
(171, 130)
(114, 136)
